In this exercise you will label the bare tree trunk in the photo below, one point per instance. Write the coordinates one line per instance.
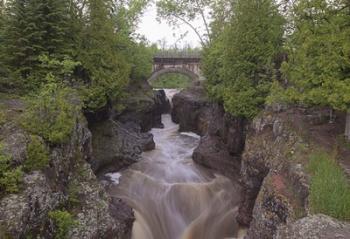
(347, 126)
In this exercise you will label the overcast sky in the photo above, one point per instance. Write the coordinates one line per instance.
(156, 32)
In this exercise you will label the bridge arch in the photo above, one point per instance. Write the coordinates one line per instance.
(180, 70)
(185, 64)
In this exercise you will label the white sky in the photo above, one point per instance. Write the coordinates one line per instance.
(156, 32)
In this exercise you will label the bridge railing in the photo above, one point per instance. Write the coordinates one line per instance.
(172, 54)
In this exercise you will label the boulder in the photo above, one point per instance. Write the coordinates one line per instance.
(213, 153)
(116, 145)
(144, 106)
(191, 110)
(315, 227)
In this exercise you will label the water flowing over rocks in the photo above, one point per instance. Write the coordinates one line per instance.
(69, 182)
(119, 140)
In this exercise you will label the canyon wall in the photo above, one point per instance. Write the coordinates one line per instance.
(266, 159)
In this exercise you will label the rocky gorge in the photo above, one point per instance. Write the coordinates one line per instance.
(69, 186)
(264, 160)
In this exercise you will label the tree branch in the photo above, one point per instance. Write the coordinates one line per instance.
(203, 42)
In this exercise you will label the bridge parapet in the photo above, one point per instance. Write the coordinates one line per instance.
(183, 63)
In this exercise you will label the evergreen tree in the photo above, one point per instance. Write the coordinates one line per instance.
(33, 28)
(249, 44)
(319, 55)
(108, 71)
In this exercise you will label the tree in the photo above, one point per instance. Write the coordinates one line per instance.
(245, 51)
(186, 12)
(107, 69)
(318, 70)
(33, 28)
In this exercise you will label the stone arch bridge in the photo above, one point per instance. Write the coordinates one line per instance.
(188, 65)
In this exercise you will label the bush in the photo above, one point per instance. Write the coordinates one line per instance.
(330, 191)
(52, 113)
(10, 177)
(38, 155)
(63, 221)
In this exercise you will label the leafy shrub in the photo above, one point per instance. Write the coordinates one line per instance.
(52, 113)
(38, 155)
(330, 191)
(63, 221)
(10, 177)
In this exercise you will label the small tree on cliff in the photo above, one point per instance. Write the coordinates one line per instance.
(319, 55)
(250, 43)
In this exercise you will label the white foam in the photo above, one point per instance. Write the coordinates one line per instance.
(114, 177)
(190, 134)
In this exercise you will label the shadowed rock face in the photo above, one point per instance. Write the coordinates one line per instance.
(116, 145)
(223, 136)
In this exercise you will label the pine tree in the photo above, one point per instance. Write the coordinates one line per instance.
(33, 28)
(251, 42)
(107, 69)
(319, 55)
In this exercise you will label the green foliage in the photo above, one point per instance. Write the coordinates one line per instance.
(52, 113)
(172, 81)
(319, 64)
(107, 68)
(63, 221)
(330, 191)
(33, 28)
(73, 193)
(10, 176)
(211, 65)
(239, 63)
(37, 156)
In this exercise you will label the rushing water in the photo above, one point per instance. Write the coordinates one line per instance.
(172, 197)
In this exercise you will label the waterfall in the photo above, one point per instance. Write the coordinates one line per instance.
(172, 197)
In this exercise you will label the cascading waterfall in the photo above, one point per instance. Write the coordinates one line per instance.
(172, 197)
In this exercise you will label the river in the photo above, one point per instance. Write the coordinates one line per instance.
(172, 197)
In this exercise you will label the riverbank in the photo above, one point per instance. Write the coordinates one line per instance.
(270, 157)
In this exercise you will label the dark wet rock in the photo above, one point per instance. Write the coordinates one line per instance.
(315, 227)
(121, 212)
(116, 146)
(213, 153)
(191, 110)
(144, 106)
(223, 136)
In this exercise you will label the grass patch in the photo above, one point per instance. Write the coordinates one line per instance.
(330, 191)
(172, 81)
